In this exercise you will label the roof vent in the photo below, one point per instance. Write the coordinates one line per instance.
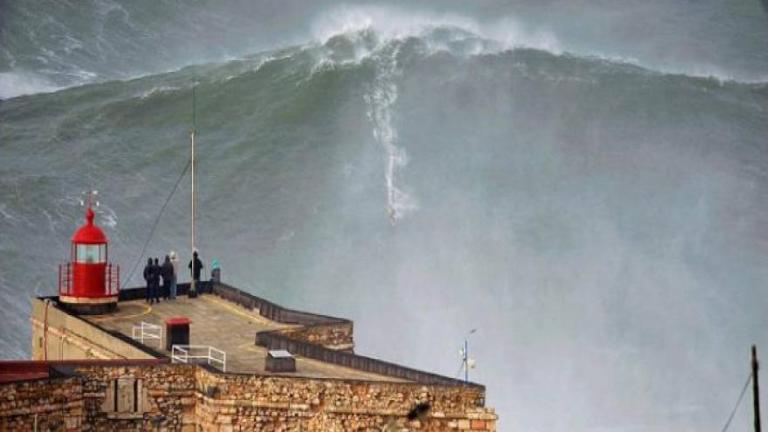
(280, 361)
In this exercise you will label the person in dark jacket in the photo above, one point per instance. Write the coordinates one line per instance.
(166, 271)
(197, 268)
(148, 279)
(156, 281)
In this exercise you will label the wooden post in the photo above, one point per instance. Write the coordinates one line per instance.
(755, 389)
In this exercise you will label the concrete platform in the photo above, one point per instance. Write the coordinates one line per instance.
(226, 326)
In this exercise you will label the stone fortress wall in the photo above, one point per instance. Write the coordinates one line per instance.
(126, 396)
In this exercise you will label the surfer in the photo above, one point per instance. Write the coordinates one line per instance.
(392, 215)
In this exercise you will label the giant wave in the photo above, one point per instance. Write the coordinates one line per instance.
(599, 221)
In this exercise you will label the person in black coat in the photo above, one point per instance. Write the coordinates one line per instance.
(198, 267)
(148, 279)
(166, 271)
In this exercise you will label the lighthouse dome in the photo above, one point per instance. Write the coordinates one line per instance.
(88, 233)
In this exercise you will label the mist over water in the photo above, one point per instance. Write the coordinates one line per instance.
(585, 184)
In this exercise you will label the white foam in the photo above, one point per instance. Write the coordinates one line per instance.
(5, 213)
(381, 99)
(707, 71)
(392, 23)
(510, 34)
(389, 22)
(14, 84)
(107, 216)
(157, 90)
(704, 71)
(371, 29)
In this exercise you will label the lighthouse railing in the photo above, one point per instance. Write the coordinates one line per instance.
(112, 279)
(65, 278)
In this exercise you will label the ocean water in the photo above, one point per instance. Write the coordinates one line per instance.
(584, 183)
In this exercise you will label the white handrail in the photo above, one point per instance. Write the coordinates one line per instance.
(185, 353)
(146, 330)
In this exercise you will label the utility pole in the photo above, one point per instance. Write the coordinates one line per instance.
(192, 286)
(755, 388)
(467, 363)
(466, 360)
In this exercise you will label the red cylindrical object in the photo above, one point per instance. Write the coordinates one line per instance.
(89, 286)
(89, 280)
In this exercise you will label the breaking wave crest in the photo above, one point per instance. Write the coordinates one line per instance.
(117, 42)
(393, 24)
(14, 84)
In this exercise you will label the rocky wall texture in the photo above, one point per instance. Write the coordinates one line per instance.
(158, 397)
(187, 398)
(269, 403)
(43, 404)
(336, 336)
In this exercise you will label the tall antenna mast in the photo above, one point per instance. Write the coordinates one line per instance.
(755, 389)
(193, 287)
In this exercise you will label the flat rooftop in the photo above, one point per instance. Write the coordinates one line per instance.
(226, 326)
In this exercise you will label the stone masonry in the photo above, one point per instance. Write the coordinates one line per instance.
(189, 398)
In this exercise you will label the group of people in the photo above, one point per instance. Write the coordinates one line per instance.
(155, 273)
(162, 278)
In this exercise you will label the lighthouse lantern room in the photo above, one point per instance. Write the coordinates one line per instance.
(88, 283)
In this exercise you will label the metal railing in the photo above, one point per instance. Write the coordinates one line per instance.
(65, 278)
(193, 353)
(146, 331)
(273, 311)
(275, 340)
(112, 279)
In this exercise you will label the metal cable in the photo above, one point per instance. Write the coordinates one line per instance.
(738, 402)
(154, 225)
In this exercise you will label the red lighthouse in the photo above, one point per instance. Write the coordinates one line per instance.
(89, 284)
